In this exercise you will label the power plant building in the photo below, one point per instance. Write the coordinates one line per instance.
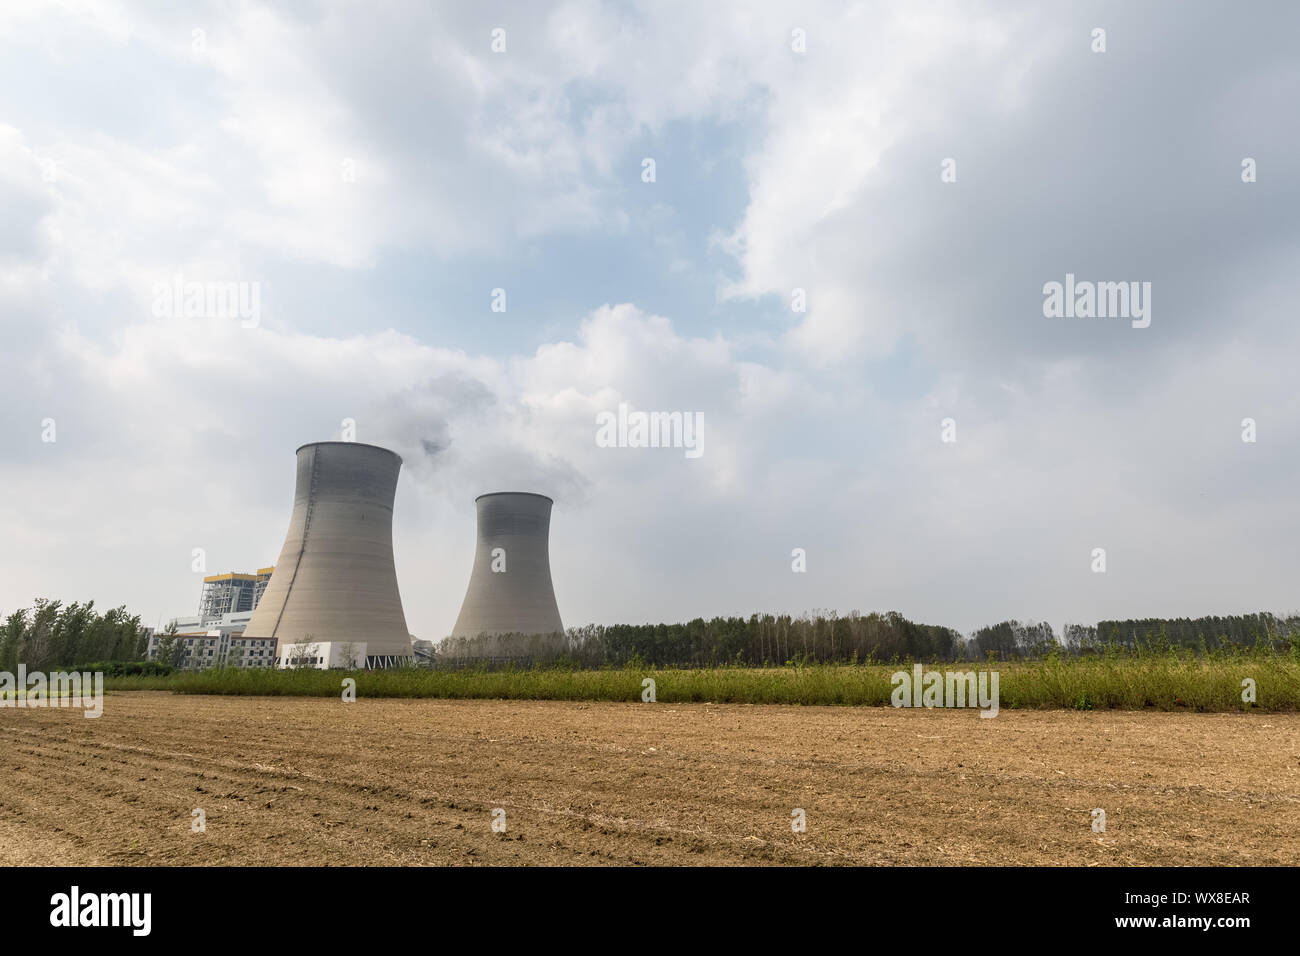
(510, 590)
(232, 593)
(197, 644)
(323, 656)
(335, 581)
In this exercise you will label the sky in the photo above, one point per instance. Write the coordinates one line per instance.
(839, 262)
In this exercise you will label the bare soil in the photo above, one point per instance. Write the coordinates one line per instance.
(415, 782)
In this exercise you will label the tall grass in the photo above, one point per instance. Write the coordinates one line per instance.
(1168, 682)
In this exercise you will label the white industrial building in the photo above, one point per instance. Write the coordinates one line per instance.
(215, 643)
(215, 636)
(322, 655)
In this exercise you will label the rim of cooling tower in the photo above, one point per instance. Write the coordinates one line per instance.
(354, 444)
(529, 494)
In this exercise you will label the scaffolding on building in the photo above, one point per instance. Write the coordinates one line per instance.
(232, 593)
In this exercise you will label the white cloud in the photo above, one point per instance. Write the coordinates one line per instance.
(176, 434)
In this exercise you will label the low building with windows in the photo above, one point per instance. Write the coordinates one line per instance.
(200, 643)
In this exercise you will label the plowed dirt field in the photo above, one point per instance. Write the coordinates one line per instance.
(415, 782)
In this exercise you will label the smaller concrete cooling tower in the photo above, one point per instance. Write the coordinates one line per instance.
(510, 588)
(335, 579)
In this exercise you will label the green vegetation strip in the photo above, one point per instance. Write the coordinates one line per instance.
(1127, 683)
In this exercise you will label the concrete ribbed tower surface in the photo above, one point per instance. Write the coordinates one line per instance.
(335, 579)
(510, 589)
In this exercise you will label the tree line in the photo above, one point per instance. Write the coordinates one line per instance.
(50, 635)
(826, 637)
(1202, 633)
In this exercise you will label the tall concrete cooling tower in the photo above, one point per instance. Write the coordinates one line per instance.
(510, 588)
(335, 580)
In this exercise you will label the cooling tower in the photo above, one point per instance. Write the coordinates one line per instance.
(335, 579)
(510, 588)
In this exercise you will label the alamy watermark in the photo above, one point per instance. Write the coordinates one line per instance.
(946, 689)
(209, 300)
(1101, 300)
(628, 429)
(59, 689)
(75, 908)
